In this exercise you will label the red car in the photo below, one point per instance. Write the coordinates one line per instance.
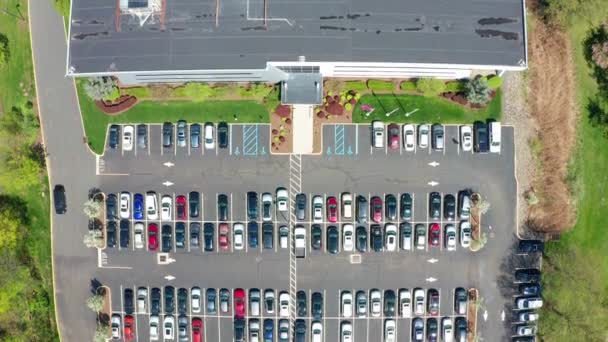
(128, 328)
(393, 136)
(197, 328)
(332, 209)
(239, 303)
(434, 235)
(152, 236)
(375, 205)
(224, 236)
(181, 207)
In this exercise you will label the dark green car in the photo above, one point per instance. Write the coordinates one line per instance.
(169, 299)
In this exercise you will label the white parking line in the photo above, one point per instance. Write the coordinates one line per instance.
(174, 127)
(148, 138)
(356, 153)
(324, 314)
(230, 139)
(135, 318)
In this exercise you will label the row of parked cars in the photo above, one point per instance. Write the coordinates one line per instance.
(195, 134)
(482, 137)
(529, 297)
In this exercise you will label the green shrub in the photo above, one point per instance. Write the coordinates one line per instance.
(494, 82)
(113, 95)
(430, 86)
(454, 86)
(101, 88)
(139, 92)
(379, 85)
(348, 107)
(408, 86)
(197, 92)
(477, 90)
(353, 85)
(4, 50)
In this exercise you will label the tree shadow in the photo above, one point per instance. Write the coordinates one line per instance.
(596, 36)
(16, 206)
(96, 287)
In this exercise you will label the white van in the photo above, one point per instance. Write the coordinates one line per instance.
(495, 137)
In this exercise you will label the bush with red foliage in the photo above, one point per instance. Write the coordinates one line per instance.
(335, 109)
(283, 111)
(123, 103)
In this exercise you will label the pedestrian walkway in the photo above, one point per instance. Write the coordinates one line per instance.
(303, 129)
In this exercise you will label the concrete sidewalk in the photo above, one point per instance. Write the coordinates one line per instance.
(303, 129)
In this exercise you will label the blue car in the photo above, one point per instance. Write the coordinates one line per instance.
(268, 330)
(138, 207)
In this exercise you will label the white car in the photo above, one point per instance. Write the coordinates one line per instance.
(266, 207)
(254, 330)
(347, 205)
(239, 236)
(465, 234)
(419, 302)
(406, 240)
(528, 316)
(317, 208)
(391, 237)
(284, 304)
(282, 199)
(466, 138)
(154, 327)
(450, 237)
(378, 134)
(115, 327)
(529, 303)
(348, 237)
(166, 204)
(195, 299)
(142, 296)
(316, 331)
(423, 136)
(127, 138)
(389, 330)
(409, 137)
(447, 330)
(347, 304)
(151, 206)
(375, 298)
(209, 139)
(125, 210)
(346, 331)
(169, 327)
(283, 237)
(495, 132)
(138, 235)
(405, 303)
(269, 300)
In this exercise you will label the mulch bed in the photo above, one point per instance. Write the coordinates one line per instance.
(461, 99)
(123, 103)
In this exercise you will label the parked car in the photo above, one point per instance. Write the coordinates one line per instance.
(224, 300)
(222, 135)
(316, 332)
(301, 304)
(255, 302)
(531, 246)
(393, 136)
(267, 235)
(154, 327)
(268, 330)
(266, 206)
(111, 207)
(209, 236)
(195, 136)
(181, 133)
(283, 330)
(316, 305)
(390, 206)
(530, 289)
(378, 134)
(332, 209)
(405, 303)
(346, 304)
(316, 237)
(346, 331)
(209, 136)
(361, 208)
(252, 234)
(59, 199)
(480, 140)
(284, 236)
(417, 329)
(361, 239)
(525, 330)
(125, 233)
(166, 238)
(222, 207)
(138, 207)
(465, 234)
(405, 229)
(254, 330)
(460, 301)
(151, 206)
(138, 235)
(239, 330)
(447, 329)
(166, 208)
(433, 302)
(450, 237)
(239, 236)
(419, 298)
(409, 137)
(142, 136)
(390, 236)
(180, 235)
(495, 134)
(196, 299)
(432, 330)
(155, 301)
(182, 301)
(197, 329)
(114, 134)
(434, 234)
(466, 138)
(129, 324)
(332, 239)
(283, 304)
(169, 300)
(125, 205)
(347, 205)
(464, 204)
(181, 212)
(375, 299)
(435, 205)
(211, 301)
(300, 208)
(528, 303)
(420, 236)
(167, 134)
(527, 275)
(282, 200)
(116, 324)
(405, 208)
(111, 234)
(449, 207)
(423, 136)
(389, 330)
(348, 233)
(169, 327)
(376, 239)
(317, 209)
(194, 203)
(224, 236)
(389, 303)
(528, 316)
(376, 209)
(239, 303)
(438, 137)
(460, 331)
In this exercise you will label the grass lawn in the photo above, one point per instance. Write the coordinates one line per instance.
(95, 121)
(427, 109)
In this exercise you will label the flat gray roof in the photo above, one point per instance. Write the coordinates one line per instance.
(480, 32)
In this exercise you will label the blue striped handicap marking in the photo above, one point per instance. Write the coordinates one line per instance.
(250, 140)
(339, 139)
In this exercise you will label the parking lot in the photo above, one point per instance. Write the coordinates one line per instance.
(348, 164)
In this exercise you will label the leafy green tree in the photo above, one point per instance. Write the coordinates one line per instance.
(101, 88)
(477, 90)
(92, 208)
(565, 12)
(430, 86)
(93, 239)
(4, 51)
(19, 172)
(96, 302)
(10, 229)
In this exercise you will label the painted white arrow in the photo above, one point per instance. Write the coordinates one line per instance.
(168, 164)
(169, 277)
(431, 279)
(502, 315)
(432, 260)
(485, 315)
(167, 183)
(432, 183)
(434, 164)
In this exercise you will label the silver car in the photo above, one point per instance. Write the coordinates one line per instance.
(181, 133)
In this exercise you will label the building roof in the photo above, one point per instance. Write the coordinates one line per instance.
(189, 35)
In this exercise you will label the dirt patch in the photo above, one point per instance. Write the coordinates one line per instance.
(125, 102)
(472, 309)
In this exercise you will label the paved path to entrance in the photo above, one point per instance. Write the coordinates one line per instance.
(303, 129)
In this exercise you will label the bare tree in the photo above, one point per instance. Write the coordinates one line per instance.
(96, 303)
(92, 208)
(93, 239)
(101, 333)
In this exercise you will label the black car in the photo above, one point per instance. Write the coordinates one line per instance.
(389, 303)
(155, 301)
(125, 233)
(435, 205)
(252, 233)
(361, 239)
(111, 234)
(460, 301)
(166, 238)
(195, 234)
(417, 329)
(316, 237)
(194, 203)
(180, 235)
(59, 199)
(480, 137)
(460, 329)
(530, 289)
(222, 134)
(432, 330)
(169, 299)
(531, 246)
(239, 330)
(222, 207)
(211, 299)
(301, 303)
(332, 239)
(182, 301)
(405, 229)
(524, 339)
(316, 305)
(300, 206)
(449, 207)
(252, 205)
(361, 207)
(438, 140)
(167, 134)
(527, 275)
(267, 235)
(114, 136)
(377, 240)
(111, 207)
(209, 236)
(300, 331)
(406, 206)
(390, 208)
(142, 136)
(128, 301)
(195, 135)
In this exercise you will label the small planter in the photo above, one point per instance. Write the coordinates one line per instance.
(472, 311)
(475, 223)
